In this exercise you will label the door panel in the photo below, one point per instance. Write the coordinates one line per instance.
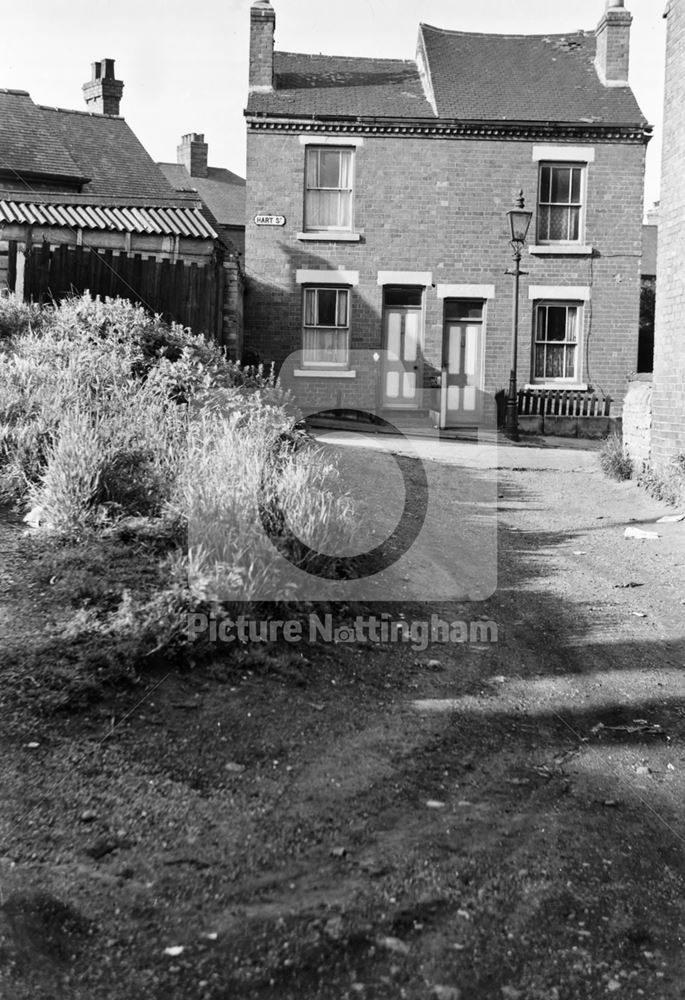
(462, 373)
(402, 342)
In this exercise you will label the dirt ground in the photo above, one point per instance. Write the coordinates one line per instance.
(484, 821)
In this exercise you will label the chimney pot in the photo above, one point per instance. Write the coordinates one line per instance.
(103, 93)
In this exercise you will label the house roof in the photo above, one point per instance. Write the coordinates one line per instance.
(537, 78)
(21, 121)
(109, 153)
(344, 86)
(58, 150)
(473, 77)
(222, 191)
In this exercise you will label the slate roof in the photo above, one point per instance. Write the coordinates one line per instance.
(95, 157)
(109, 154)
(20, 123)
(532, 78)
(343, 86)
(222, 191)
(475, 77)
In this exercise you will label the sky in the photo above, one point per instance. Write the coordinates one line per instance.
(184, 64)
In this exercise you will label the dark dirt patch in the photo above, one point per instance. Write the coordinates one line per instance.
(339, 821)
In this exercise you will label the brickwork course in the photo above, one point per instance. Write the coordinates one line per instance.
(668, 398)
(438, 160)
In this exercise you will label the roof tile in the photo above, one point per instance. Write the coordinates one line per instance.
(343, 86)
(526, 78)
(21, 125)
(475, 77)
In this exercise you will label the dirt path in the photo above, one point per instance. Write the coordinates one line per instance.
(484, 821)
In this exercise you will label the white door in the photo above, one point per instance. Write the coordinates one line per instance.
(402, 323)
(462, 365)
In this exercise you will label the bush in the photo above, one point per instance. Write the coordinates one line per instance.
(243, 459)
(614, 459)
(16, 318)
(128, 370)
(108, 416)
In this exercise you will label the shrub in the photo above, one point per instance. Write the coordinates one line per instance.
(240, 462)
(16, 317)
(128, 369)
(614, 460)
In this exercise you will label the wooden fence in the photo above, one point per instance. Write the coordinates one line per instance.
(190, 294)
(563, 403)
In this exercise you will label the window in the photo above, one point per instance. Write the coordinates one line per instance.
(556, 342)
(328, 188)
(326, 326)
(560, 203)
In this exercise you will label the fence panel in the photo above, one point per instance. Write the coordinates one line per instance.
(182, 293)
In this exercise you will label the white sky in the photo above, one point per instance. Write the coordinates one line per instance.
(184, 64)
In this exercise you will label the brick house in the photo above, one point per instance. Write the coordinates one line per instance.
(81, 181)
(377, 192)
(668, 395)
(221, 192)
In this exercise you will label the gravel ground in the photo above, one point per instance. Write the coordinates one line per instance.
(477, 821)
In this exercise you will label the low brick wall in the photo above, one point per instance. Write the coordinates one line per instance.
(576, 427)
(637, 420)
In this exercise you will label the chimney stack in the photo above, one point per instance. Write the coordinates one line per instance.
(613, 45)
(103, 92)
(192, 154)
(262, 29)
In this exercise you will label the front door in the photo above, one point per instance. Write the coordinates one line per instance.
(402, 322)
(462, 363)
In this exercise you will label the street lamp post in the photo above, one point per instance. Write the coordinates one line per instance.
(519, 223)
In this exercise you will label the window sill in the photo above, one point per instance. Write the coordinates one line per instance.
(330, 237)
(324, 373)
(562, 249)
(554, 386)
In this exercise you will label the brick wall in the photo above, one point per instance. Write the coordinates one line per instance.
(234, 286)
(439, 205)
(668, 401)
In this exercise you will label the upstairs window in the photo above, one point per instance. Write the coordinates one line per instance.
(328, 188)
(557, 338)
(326, 327)
(560, 203)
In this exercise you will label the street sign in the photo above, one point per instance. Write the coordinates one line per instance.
(269, 220)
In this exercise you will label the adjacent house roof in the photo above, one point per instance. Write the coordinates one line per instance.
(84, 170)
(21, 122)
(108, 152)
(468, 77)
(222, 191)
(94, 154)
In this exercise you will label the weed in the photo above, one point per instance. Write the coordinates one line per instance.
(667, 484)
(614, 459)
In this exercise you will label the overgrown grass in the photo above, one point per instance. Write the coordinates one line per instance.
(109, 418)
(667, 484)
(614, 460)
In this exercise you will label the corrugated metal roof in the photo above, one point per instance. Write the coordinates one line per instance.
(160, 221)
